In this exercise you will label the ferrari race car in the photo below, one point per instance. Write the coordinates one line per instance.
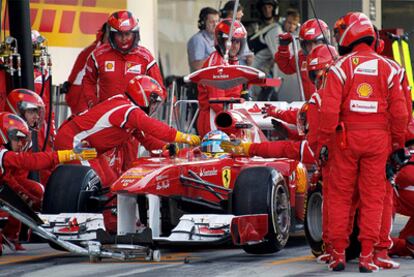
(186, 199)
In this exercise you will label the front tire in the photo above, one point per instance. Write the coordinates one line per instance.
(69, 188)
(262, 190)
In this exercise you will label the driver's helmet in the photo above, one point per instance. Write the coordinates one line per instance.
(210, 145)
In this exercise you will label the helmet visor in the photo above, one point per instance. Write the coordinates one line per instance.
(19, 136)
(211, 146)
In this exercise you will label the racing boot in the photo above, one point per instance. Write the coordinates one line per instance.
(18, 246)
(337, 261)
(382, 260)
(326, 255)
(366, 264)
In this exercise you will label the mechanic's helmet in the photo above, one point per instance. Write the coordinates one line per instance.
(146, 93)
(210, 144)
(313, 31)
(13, 127)
(261, 3)
(123, 31)
(352, 29)
(21, 100)
(302, 123)
(318, 61)
(222, 32)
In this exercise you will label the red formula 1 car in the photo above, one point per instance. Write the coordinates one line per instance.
(186, 200)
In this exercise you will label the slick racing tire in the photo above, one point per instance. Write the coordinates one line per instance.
(313, 220)
(69, 188)
(262, 190)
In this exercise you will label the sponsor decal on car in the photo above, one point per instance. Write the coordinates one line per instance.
(220, 74)
(208, 172)
(163, 185)
(135, 173)
(161, 177)
(226, 176)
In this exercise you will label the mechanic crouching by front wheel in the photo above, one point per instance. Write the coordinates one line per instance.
(117, 120)
(205, 121)
(362, 90)
(15, 164)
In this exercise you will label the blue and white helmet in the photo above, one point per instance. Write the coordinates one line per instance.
(210, 144)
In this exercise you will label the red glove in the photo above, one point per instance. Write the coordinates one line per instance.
(270, 110)
(285, 39)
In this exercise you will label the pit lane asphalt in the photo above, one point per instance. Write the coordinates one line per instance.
(295, 260)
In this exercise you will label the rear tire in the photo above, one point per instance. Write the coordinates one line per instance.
(313, 227)
(313, 220)
(262, 190)
(68, 189)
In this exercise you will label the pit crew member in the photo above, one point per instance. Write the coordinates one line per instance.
(29, 106)
(208, 111)
(305, 118)
(111, 66)
(16, 162)
(403, 197)
(362, 90)
(116, 120)
(313, 32)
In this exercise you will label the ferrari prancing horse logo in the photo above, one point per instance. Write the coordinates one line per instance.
(226, 176)
(355, 60)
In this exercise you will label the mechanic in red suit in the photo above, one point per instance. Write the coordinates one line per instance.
(72, 88)
(403, 245)
(311, 33)
(116, 120)
(306, 118)
(15, 164)
(381, 257)
(111, 66)
(363, 92)
(29, 106)
(208, 111)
